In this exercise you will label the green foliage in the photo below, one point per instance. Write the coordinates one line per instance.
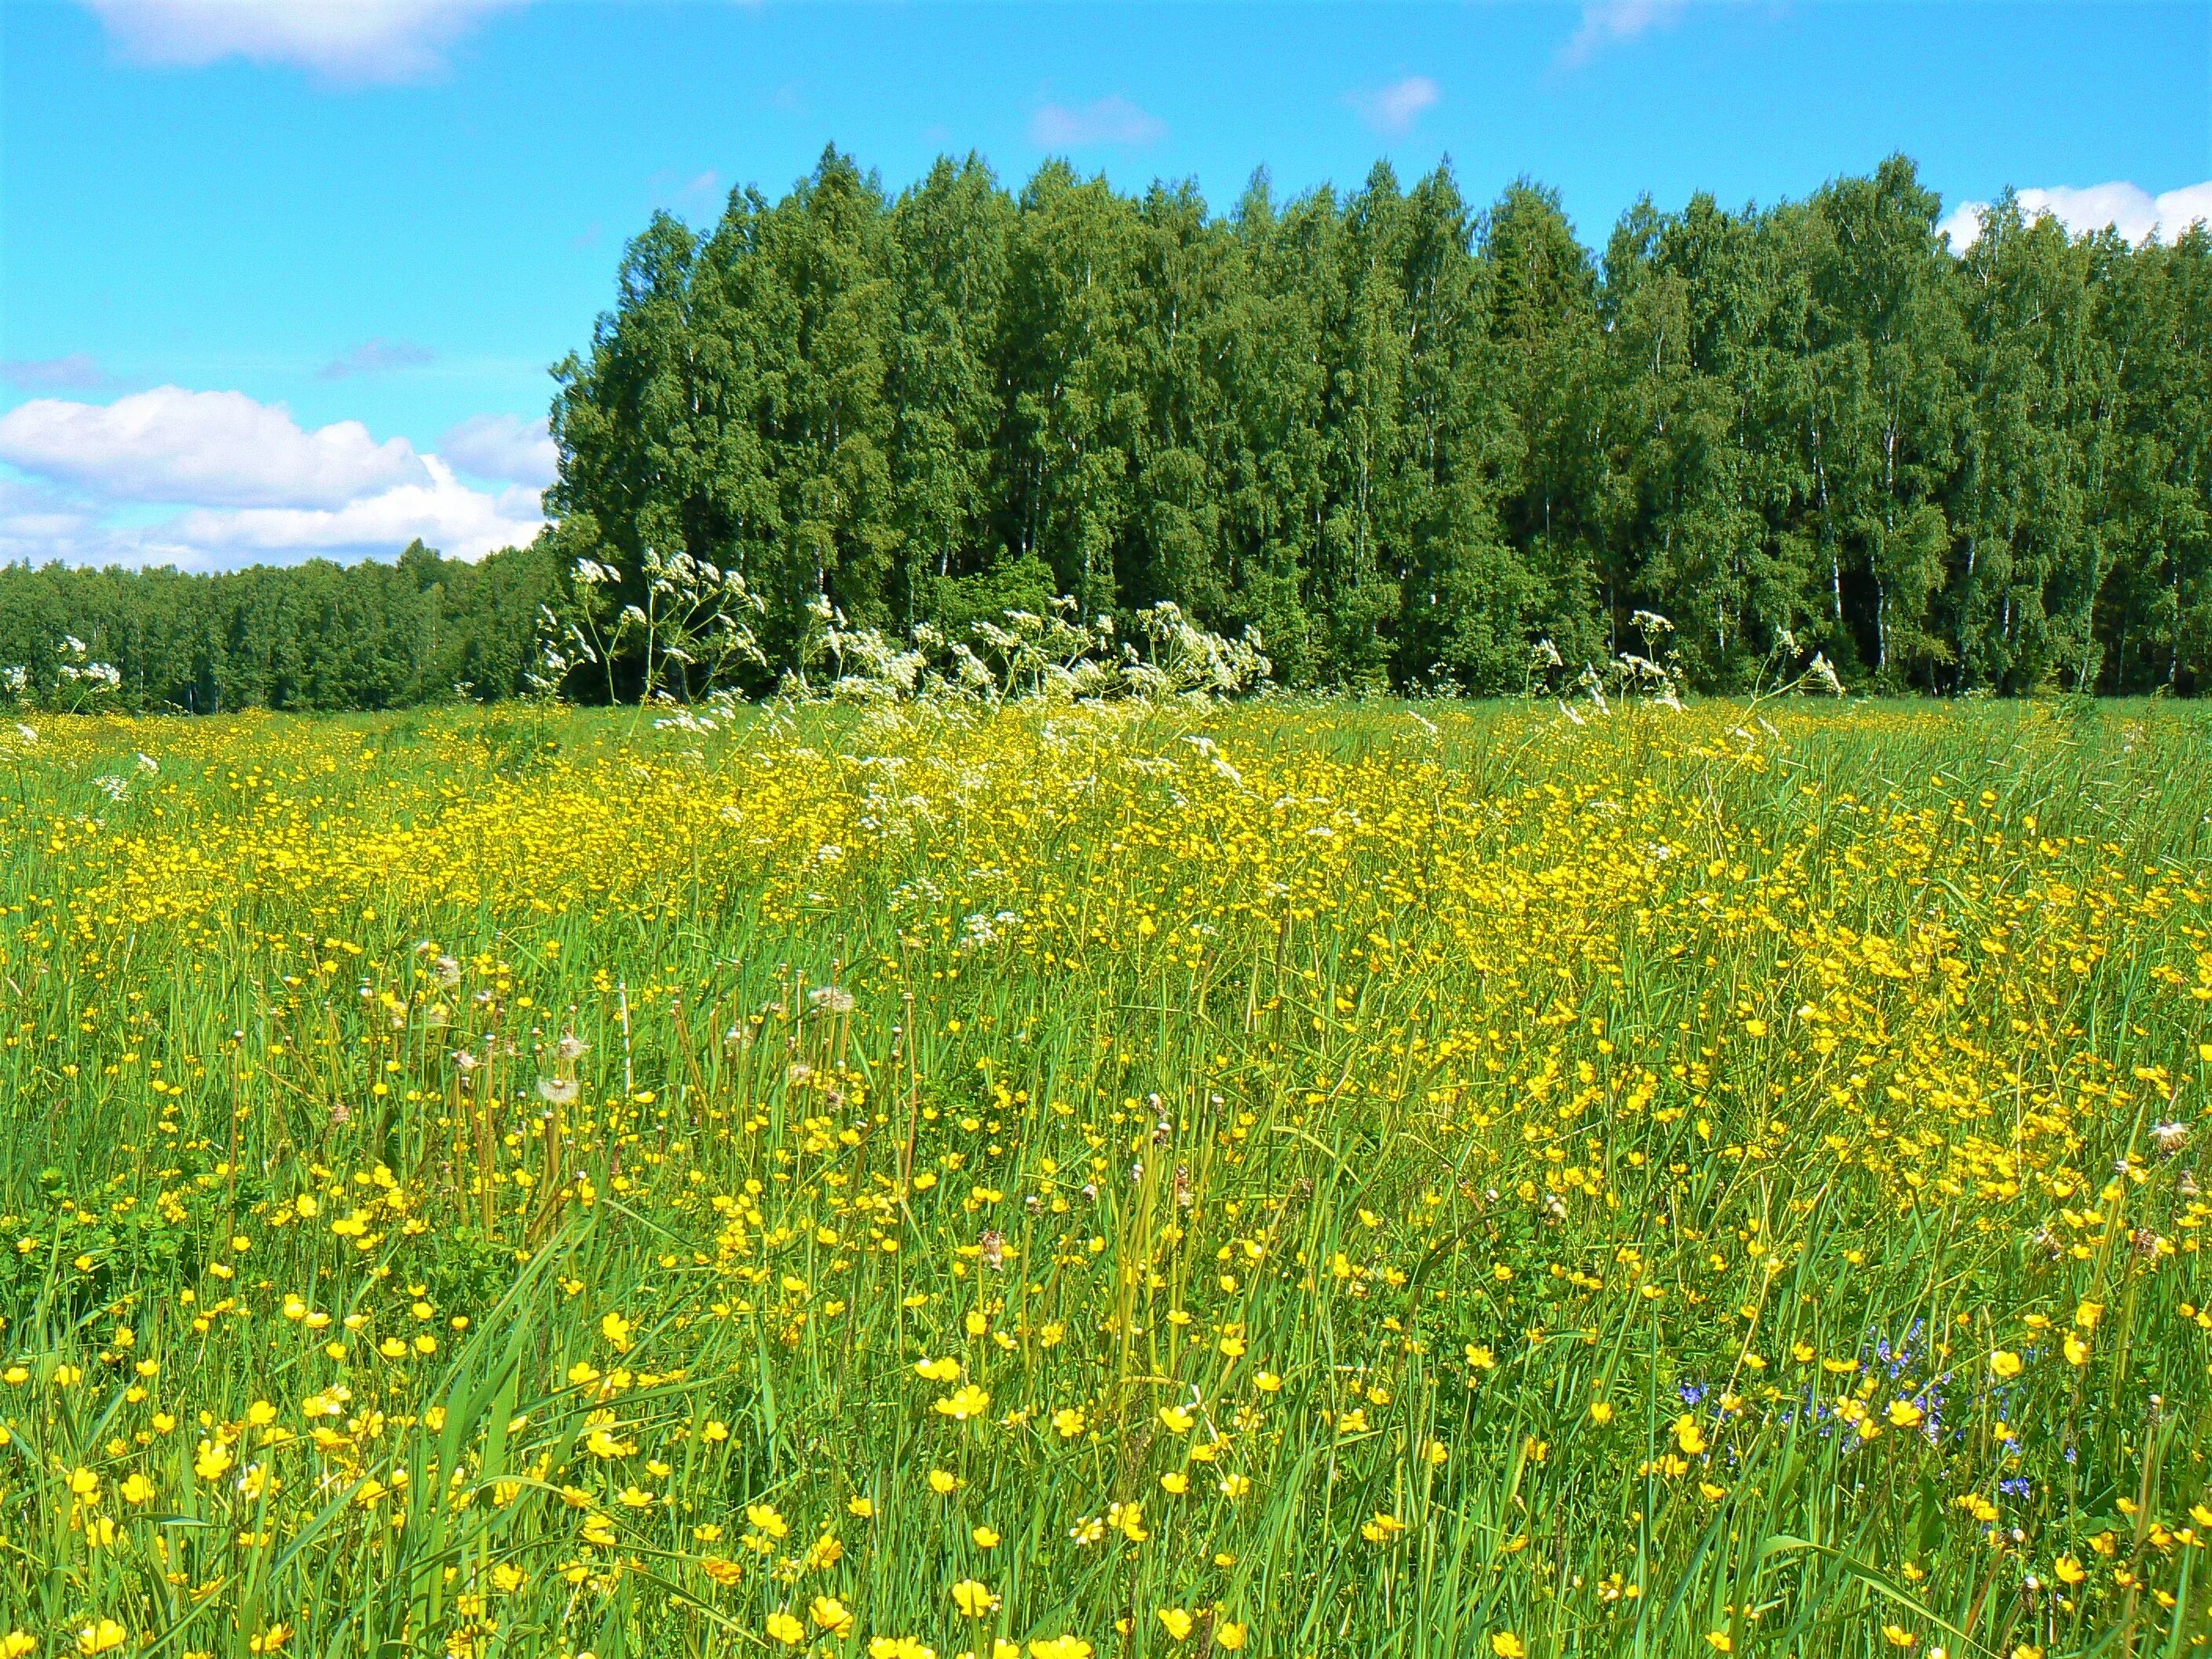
(309, 636)
(957, 603)
(1405, 441)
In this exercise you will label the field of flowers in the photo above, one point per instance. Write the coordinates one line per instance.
(1295, 1179)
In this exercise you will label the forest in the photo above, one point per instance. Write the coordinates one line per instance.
(313, 636)
(1412, 443)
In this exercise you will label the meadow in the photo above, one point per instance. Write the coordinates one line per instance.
(1296, 1178)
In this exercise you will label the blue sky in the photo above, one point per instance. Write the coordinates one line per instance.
(278, 278)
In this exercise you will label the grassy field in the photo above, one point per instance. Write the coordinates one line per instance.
(1300, 1179)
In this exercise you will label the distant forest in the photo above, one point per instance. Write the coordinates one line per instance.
(310, 636)
(1402, 438)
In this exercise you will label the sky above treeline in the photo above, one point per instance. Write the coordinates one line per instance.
(284, 277)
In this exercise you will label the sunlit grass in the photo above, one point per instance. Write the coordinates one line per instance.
(1318, 1179)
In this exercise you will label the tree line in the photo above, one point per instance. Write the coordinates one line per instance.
(1409, 442)
(1405, 441)
(319, 635)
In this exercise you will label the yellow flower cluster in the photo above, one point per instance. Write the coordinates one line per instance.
(910, 1181)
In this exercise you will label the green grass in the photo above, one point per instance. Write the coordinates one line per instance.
(1519, 1158)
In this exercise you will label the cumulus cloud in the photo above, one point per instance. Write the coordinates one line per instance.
(502, 446)
(78, 372)
(39, 526)
(1111, 120)
(212, 448)
(1613, 22)
(1394, 109)
(2128, 209)
(443, 512)
(254, 485)
(347, 40)
(377, 356)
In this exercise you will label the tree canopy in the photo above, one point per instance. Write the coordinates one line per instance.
(1404, 438)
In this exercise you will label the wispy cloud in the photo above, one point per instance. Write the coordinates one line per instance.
(1394, 109)
(377, 356)
(2128, 209)
(1111, 120)
(698, 193)
(342, 41)
(1612, 22)
(78, 372)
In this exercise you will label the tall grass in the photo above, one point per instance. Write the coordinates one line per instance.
(1304, 1178)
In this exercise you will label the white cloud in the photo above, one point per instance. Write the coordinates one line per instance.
(38, 522)
(461, 522)
(1394, 108)
(254, 485)
(207, 448)
(78, 372)
(377, 356)
(352, 40)
(2128, 209)
(39, 526)
(1613, 22)
(1111, 120)
(502, 446)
